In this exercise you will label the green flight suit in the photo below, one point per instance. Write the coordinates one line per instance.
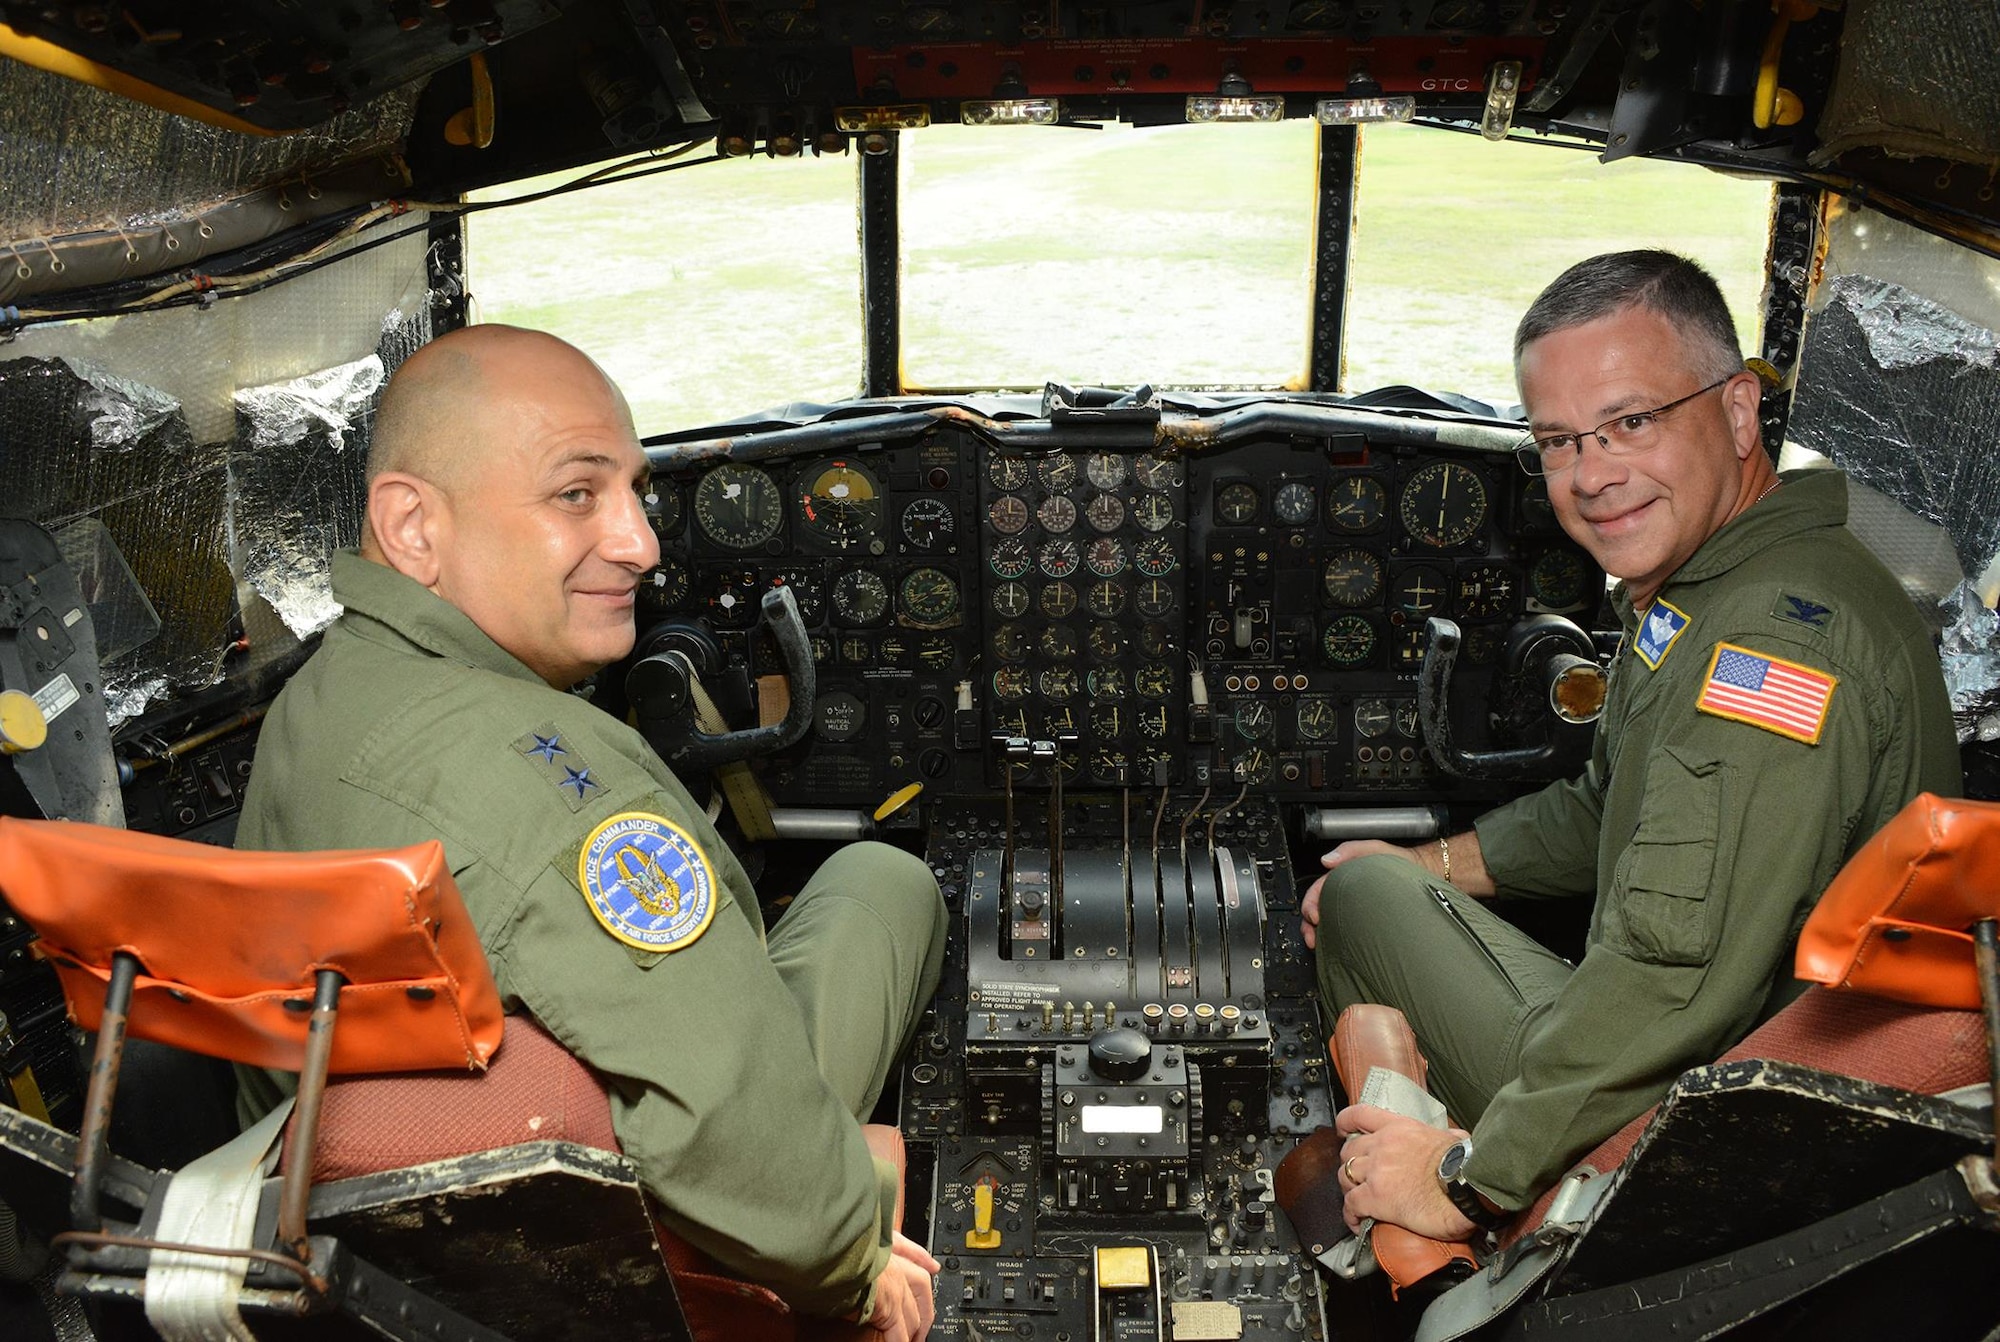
(738, 1073)
(1705, 841)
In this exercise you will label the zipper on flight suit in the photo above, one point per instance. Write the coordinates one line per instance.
(1451, 911)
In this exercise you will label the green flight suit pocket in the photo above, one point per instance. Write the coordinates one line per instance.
(1659, 908)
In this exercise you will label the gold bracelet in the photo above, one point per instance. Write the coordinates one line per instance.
(1444, 852)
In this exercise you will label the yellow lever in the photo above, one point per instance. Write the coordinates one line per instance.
(982, 1235)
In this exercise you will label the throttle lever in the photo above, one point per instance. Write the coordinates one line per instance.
(703, 751)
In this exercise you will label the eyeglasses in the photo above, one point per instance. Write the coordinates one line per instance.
(1632, 432)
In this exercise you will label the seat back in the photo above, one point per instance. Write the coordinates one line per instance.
(230, 944)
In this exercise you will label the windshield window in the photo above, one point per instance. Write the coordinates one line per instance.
(1455, 235)
(706, 293)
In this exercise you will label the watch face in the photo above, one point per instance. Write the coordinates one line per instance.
(1453, 1160)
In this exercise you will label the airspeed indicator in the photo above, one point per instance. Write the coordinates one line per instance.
(1443, 504)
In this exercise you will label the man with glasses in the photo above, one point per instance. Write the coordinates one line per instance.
(1774, 700)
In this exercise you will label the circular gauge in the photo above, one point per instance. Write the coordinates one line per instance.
(929, 598)
(1317, 720)
(1007, 474)
(1153, 723)
(1058, 601)
(1349, 640)
(937, 653)
(1352, 577)
(1058, 558)
(1295, 503)
(839, 504)
(1011, 558)
(663, 510)
(860, 597)
(664, 588)
(1057, 472)
(1536, 511)
(1105, 557)
(1372, 718)
(1057, 725)
(738, 507)
(1011, 683)
(856, 650)
(1107, 682)
(822, 648)
(1007, 515)
(1236, 504)
(1109, 765)
(1444, 504)
(1483, 644)
(1419, 591)
(1158, 472)
(1155, 557)
(1254, 719)
(1105, 599)
(1154, 599)
(1011, 722)
(1357, 504)
(1406, 719)
(1153, 681)
(1107, 641)
(928, 523)
(1056, 514)
(1153, 512)
(1011, 600)
(1486, 591)
(894, 650)
(1010, 643)
(1109, 722)
(1104, 469)
(1058, 684)
(1557, 580)
(1104, 512)
(1058, 642)
(1156, 640)
(839, 716)
(1253, 766)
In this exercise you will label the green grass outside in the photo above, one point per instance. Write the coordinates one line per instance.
(1175, 255)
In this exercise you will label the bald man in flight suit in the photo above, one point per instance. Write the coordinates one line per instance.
(1774, 701)
(505, 539)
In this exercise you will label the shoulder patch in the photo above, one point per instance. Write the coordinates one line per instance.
(1769, 692)
(558, 761)
(1802, 610)
(647, 881)
(1657, 632)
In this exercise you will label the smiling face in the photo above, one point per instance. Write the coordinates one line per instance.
(543, 540)
(1642, 515)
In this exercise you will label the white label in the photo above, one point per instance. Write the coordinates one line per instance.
(1013, 996)
(55, 697)
(1149, 1118)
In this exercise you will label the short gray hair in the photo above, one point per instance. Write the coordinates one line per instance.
(1659, 281)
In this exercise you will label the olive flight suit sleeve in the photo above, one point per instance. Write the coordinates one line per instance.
(1738, 829)
(1545, 844)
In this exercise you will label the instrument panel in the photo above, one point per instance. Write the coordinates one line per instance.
(1248, 616)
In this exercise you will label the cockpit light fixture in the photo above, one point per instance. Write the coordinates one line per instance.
(1010, 111)
(1503, 86)
(1355, 111)
(887, 116)
(1235, 100)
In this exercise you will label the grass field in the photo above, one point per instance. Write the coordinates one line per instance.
(1178, 256)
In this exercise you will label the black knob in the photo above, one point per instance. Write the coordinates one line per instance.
(1120, 1053)
(657, 686)
(1031, 903)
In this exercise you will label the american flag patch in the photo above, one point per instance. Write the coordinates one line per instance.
(1768, 692)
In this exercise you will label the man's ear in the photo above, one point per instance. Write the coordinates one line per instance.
(1742, 398)
(405, 513)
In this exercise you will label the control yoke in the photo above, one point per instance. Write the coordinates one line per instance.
(1555, 658)
(663, 685)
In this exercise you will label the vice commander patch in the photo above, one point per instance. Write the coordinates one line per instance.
(647, 881)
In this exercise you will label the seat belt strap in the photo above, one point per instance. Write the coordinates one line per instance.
(747, 799)
(211, 1202)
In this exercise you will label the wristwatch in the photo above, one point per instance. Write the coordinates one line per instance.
(1464, 1196)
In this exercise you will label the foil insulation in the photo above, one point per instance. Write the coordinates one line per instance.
(1916, 78)
(301, 485)
(78, 445)
(76, 158)
(1970, 655)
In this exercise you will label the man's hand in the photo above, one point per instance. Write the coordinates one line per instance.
(1389, 1172)
(904, 1301)
(1353, 848)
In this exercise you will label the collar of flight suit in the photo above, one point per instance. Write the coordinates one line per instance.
(1810, 500)
(413, 613)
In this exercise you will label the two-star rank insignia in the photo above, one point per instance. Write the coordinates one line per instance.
(557, 760)
(1769, 692)
(647, 882)
(1662, 626)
